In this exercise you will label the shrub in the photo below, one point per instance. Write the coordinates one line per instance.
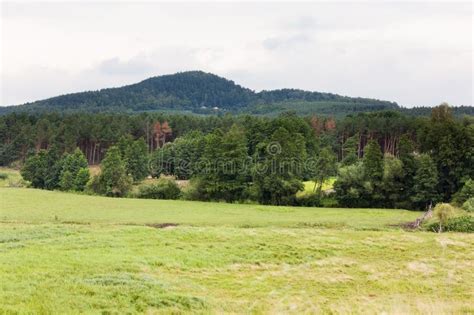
(329, 202)
(309, 200)
(463, 224)
(3, 175)
(443, 211)
(195, 190)
(163, 189)
(469, 205)
(466, 192)
(17, 183)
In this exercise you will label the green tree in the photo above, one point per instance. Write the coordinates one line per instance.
(406, 155)
(325, 167)
(136, 159)
(71, 166)
(373, 161)
(352, 187)
(66, 181)
(225, 174)
(393, 182)
(188, 150)
(466, 192)
(278, 169)
(113, 179)
(33, 169)
(43, 169)
(81, 180)
(349, 150)
(373, 171)
(451, 146)
(426, 182)
(162, 160)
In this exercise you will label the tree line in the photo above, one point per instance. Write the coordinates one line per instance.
(381, 159)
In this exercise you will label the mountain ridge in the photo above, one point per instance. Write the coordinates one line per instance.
(200, 92)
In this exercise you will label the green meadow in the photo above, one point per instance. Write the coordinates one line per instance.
(66, 253)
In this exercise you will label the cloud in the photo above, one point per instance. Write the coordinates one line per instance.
(286, 42)
(115, 66)
(415, 54)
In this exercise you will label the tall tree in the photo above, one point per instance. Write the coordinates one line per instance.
(113, 179)
(373, 171)
(426, 181)
(349, 150)
(325, 168)
(226, 165)
(277, 172)
(72, 165)
(136, 160)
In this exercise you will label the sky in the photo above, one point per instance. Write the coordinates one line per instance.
(416, 54)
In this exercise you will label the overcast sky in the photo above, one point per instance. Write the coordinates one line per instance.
(414, 54)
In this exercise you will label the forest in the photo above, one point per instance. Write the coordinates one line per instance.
(380, 159)
(197, 92)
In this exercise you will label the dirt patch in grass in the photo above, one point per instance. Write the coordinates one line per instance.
(162, 225)
(409, 226)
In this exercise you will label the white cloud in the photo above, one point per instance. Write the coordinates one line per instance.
(415, 54)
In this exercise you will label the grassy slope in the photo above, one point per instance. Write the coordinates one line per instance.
(212, 265)
(32, 205)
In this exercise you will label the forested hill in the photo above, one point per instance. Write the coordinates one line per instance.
(203, 93)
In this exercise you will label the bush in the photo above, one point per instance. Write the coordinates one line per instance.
(329, 202)
(469, 205)
(195, 190)
(443, 211)
(17, 183)
(466, 192)
(3, 175)
(163, 189)
(463, 224)
(308, 200)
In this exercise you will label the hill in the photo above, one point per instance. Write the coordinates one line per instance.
(202, 93)
(197, 92)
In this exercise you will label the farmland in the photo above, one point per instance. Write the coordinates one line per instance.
(72, 253)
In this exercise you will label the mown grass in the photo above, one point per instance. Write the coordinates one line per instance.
(39, 206)
(65, 253)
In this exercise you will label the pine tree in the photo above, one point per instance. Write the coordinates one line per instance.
(113, 179)
(66, 181)
(136, 160)
(426, 181)
(406, 155)
(349, 150)
(373, 161)
(73, 164)
(373, 172)
(81, 180)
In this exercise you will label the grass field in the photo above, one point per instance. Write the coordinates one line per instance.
(67, 253)
(13, 177)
